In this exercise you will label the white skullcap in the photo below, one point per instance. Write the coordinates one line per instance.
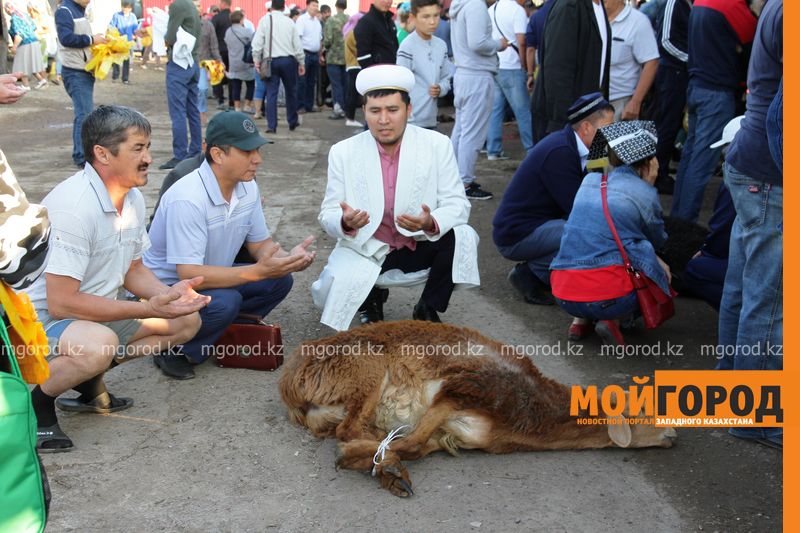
(377, 77)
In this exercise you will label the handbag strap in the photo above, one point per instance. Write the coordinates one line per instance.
(270, 36)
(503, 35)
(9, 348)
(610, 221)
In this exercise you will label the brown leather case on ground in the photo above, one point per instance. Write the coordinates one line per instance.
(256, 345)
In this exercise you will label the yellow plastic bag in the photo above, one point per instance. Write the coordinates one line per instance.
(115, 50)
(26, 334)
(216, 70)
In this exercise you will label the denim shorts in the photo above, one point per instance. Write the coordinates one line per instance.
(124, 329)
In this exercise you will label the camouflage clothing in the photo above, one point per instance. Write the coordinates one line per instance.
(333, 40)
(24, 229)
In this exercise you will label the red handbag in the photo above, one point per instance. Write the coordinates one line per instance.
(256, 345)
(656, 306)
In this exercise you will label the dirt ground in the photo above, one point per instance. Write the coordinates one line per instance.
(217, 453)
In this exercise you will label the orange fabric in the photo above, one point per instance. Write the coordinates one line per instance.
(26, 335)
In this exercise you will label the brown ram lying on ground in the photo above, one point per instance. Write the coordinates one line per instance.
(450, 387)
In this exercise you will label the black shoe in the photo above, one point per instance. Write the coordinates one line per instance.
(372, 308)
(172, 163)
(270, 131)
(174, 365)
(423, 311)
(474, 192)
(103, 404)
(293, 127)
(531, 287)
(665, 185)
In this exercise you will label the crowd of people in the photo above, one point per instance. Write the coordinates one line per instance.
(591, 84)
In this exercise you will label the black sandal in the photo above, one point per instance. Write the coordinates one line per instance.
(103, 404)
(52, 439)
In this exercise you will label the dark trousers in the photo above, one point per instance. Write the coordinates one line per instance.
(126, 69)
(283, 69)
(257, 297)
(671, 85)
(219, 91)
(307, 84)
(436, 255)
(236, 89)
(182, 105)
(352, 98)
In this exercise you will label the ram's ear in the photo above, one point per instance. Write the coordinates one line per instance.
(619, 431)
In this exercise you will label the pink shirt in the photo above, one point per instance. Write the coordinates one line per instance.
(387, 231)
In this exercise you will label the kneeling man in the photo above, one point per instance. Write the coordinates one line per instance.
(97, 239)
(202, 222)
(394, 202)
(530, 219)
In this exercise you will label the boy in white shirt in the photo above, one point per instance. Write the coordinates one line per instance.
(426, 56)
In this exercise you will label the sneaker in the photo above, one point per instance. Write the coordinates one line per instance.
(353, 123)
(42, 83)
(474, 192)
(336, 115)
(502, 156)
(609, 332)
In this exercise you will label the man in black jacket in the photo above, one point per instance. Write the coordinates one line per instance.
(221, 22)
(575, 57)
(376, 36)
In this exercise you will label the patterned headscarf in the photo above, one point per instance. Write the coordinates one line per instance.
(631, 140)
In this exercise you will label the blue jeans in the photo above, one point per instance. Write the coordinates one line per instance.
(261, 88)
(538, 249)
(202, 90)
(510, 85)
(80, 88)
(307, 83)
(338, 77)
(283, 69)
(182, 95)
(617, 308)
(751, 313)
(709, 111)
(257, 297)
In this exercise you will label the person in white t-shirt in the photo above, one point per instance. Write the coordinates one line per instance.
(510, 82)
(634, 59)
(309, 29)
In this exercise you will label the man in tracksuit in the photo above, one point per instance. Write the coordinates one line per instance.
(376, 36)
(475, 54)
(75, 40)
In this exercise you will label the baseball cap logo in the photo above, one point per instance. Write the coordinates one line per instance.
(248, 126)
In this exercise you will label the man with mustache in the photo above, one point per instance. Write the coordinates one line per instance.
(97, 239)
(201, 223)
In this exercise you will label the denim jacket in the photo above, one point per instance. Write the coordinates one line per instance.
(634, 206)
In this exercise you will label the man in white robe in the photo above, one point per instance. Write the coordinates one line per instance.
(396, 204)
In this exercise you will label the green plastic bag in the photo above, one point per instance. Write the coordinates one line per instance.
(21, 488)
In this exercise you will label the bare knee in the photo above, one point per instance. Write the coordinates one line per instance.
(94, 353)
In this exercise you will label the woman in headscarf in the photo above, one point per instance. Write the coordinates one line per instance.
(27, 51)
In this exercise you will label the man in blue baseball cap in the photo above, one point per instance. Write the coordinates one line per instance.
(202, 222)
(530, 220)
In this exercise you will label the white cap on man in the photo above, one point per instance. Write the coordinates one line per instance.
(378, 77)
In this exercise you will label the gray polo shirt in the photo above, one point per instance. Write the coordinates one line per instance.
(194, 225)
(89, 240)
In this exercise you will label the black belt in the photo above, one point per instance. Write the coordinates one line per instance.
(310, 52)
